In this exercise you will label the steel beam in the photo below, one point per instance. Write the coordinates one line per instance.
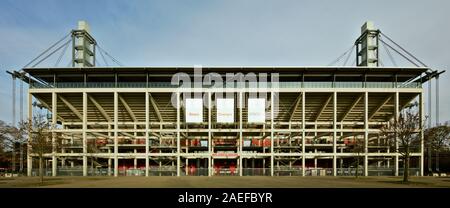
(380, 105)
(127, 107)
(155, 107)
(100, 108)
(350, 108)
(323, 107)
(71, 107)
(297, 102)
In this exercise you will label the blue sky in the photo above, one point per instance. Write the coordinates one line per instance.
(227, 32)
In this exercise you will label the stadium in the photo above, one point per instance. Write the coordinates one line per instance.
(224, 120)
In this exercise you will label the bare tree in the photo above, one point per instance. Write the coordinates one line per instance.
(358, 149)
(10, 136)
(5, 142)
(40, 139)
(404, 134)
(437, 138)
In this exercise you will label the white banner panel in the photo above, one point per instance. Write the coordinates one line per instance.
(225, 110)
(256, 110)
(194, 110)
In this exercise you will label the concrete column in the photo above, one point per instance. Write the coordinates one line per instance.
(396, 114)
(272, 156)
(264, 166)
(341, 160)
(109, 162)
(241, 105)
(334, 133)
(209, 135)
(63, 160)
(422, 144)
(135, 150)
(239, 165)
(116, 142)
(147, 127)
(303, 134)
(63, 150)
(72, 164)
(54, 114)
(178, 135)
(85, 162)
(366, 133)
(135, 159)
(186, 167)
(212, 165)
(30, 119)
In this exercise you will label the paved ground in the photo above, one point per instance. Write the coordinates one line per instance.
(226, 182)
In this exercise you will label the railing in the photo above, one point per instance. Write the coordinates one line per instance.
(287, 171)
(195, 171)
(349, 171)
(171, 171)
(256, 171)
(318, 84)
(226, 171)
(289, 85)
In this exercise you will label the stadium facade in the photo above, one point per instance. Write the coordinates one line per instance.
(263, 121)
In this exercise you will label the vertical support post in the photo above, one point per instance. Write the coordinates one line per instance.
(422, 143)
(135, 159)
(30, 119)
(116, 142)
(272, 154)
(241, 105)
(109, 161)
(334, 133)
(437, 102)
(186, 166)
(396, 114)
(13, 152)
(178, 135)
(63, 150)
(13, 102)
(147, 126)
(430, 165)
(85, 162)
(303, 134)
(21, 119)
(366, 133)
(209, 135)
(54, 109)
